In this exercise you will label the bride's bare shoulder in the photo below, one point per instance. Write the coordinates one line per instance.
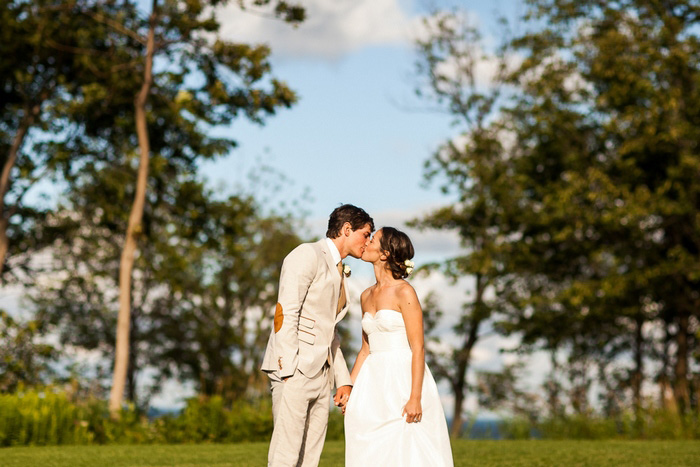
(366, 293)
(406, 293)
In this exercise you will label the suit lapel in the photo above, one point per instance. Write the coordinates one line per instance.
(342, 313)
(333, 270)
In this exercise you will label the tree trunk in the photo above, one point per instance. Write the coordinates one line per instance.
(680, 387)
(638, 375)
(459, 382)
(458, 389)
(665, 397)
(131, 376)
(552, 386)
(24, 125)
(126, 265)
(131, 368)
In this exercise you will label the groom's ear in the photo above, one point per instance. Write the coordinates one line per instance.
(346, 229)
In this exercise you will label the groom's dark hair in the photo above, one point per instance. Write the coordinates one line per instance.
(357, 217)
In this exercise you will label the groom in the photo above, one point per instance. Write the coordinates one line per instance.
(303, 357)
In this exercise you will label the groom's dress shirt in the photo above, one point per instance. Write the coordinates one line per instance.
(304, 335)
(335, 254)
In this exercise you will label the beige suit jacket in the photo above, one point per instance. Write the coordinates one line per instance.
(304, 333)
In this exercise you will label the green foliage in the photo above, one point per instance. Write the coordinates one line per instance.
(204, 279)
(604, 158)
(24, 360)
(649, 424)
(42, 71)
(576, 190)
(199, 81)
(578, 426)
(209, 420)
(68, 78)
(39, 417)
(48, 416)
(500, 391)
(516, 428)
(474, 173)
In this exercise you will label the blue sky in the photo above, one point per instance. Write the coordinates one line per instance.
(357, 134)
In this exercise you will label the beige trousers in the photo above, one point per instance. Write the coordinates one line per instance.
(300, 407)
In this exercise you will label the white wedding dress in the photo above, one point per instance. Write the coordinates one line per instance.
(376, 433)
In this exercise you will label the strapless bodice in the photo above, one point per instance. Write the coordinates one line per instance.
(385, 331)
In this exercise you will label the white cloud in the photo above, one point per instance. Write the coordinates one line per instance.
(332, 28)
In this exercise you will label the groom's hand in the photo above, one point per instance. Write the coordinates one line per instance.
(341, 397)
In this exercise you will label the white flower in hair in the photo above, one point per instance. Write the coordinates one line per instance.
(409, 266)
(346, 270)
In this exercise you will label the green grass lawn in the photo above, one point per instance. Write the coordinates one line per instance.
(467, 453)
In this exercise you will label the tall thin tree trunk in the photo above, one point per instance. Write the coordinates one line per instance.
(638, 375)
(25, 124)
(131, 374)
(680, 387)
(458, 390)
(665, 399)
(552, 386)
(126, 265)
(459, 382)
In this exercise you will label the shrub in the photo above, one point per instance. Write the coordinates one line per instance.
(651, 424)
(40, 417)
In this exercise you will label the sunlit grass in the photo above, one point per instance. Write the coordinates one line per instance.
(467, 453)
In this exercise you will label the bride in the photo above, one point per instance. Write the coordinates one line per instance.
(394, 416)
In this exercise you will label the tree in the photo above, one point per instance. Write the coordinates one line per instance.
(44, 65)
(598, 230)
(217, 317)
(203, 281)
(500, 391)
(625, 75)
(450, 58)
(206, 82)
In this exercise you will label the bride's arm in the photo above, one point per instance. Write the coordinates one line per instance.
(364, 350)
(361, 356)
(413, 319)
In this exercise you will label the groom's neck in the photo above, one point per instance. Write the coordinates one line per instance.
(339, 243)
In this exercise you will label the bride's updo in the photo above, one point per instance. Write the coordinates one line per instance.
(399, 248)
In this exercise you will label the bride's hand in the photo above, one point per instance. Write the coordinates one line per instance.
(341, 397)
(413, 411)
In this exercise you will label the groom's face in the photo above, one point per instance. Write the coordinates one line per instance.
(358, 240)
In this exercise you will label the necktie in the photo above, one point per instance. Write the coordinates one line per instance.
(342, 299)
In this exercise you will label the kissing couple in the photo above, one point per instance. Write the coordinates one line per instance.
(393, 414)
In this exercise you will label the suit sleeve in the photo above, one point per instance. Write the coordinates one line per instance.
(298, 271)
(340, 368)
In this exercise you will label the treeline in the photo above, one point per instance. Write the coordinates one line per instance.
(575, 183)
(135, 261)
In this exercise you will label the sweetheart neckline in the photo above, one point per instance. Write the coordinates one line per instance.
(373, 316)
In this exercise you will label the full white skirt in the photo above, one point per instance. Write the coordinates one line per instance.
(376, 433)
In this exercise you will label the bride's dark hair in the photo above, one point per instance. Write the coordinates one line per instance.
(399, 248)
